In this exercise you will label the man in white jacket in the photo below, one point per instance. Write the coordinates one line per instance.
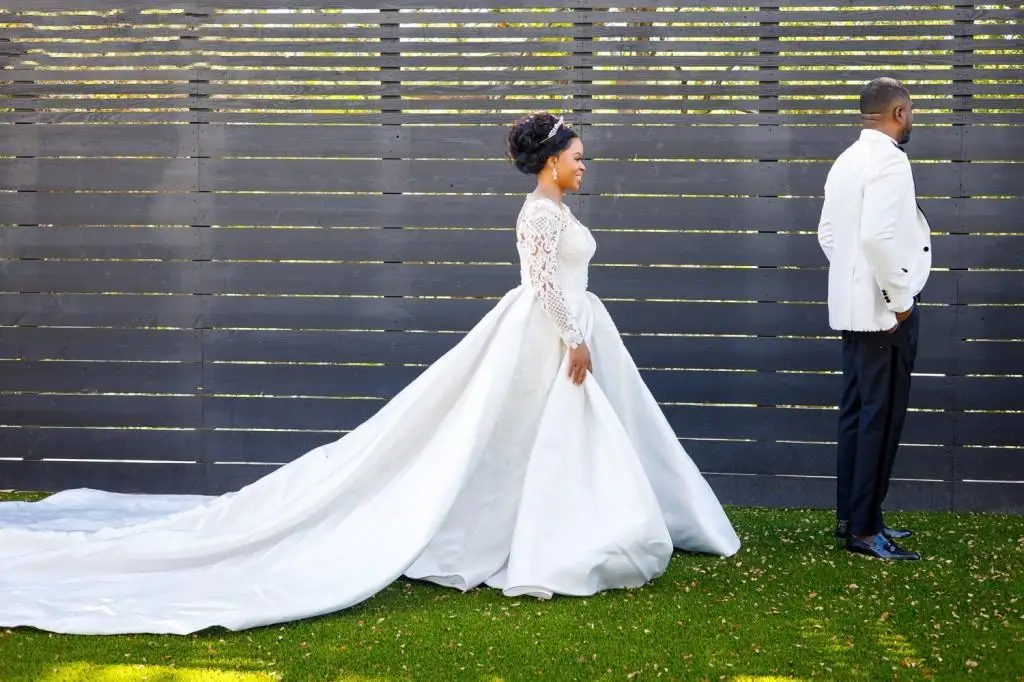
(878, 246)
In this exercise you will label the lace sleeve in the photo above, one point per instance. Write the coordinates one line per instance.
(540, 234)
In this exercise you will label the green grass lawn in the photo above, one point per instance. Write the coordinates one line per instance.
(789, 606)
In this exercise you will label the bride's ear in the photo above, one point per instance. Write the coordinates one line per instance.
(551, 166)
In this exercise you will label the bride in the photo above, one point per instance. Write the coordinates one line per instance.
(530, 458)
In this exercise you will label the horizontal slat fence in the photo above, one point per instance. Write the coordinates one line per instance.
(231, 230)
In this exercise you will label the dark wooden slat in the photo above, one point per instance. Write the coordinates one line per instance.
(66, 26)
(98, 117)
(358, 211)
(746, 116)
(686, 142)
(991, 288)
(101, 410)
(751, 284)
(923, 10)
(987, 322)
(762, 458)
(99, 140)
(325, 346)
(936, 355)
(802, 142)
(832, 60)
(236, 446)
(141, 78)
(993, 179)
(598, 212)
(566, 60)
(262, 446)
(993, 358)
(41, 343)
(761, 388)
(1001, 498)
(435, 105)
(731, 116)
(765, 423)
(682, 6)
(788, 214)
(168, 175)
(989, 215)
(769, 423)
(459, 315)
(357, 279)
(213, 43)
(1000, 143)
(114, 444)
(698, 352)
(605, 177)
(358, 176)
(100, 377)
(355, 141)
(481, 246)
(300, 91)
(989, 429)
(101, 209)
(616, 177)
(84, 310)
(824, 390)
(129, 478)
(177, 243)
(117, 106)
(341, 313)
(765, 458)
(77, 72)
(44, 88)
(138, 61)
(990, 464)
(724, 84)
(285, 312)
(221, 478)
(130, 7)
(434, 16)
(156, 277)
(753, 353)
(815, 493)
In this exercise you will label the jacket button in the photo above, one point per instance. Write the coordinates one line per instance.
(927, 249)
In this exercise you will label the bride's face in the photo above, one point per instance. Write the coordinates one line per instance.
(570, 166)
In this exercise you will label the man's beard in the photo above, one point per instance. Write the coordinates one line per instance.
(905, 137)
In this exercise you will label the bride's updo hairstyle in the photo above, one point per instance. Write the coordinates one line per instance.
(531, 142)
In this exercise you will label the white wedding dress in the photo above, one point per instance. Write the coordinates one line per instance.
(491, 467)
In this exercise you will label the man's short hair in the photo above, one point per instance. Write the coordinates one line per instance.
(881, 94)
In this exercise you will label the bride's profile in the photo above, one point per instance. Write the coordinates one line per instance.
(530, 458)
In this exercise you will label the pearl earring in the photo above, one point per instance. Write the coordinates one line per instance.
(554, 173)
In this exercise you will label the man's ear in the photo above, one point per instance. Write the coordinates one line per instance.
(899, 112)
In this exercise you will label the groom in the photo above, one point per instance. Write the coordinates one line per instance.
(878, 246)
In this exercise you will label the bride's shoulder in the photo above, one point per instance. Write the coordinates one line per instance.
(536, 206)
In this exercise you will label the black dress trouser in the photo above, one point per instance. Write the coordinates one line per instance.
(876, 391)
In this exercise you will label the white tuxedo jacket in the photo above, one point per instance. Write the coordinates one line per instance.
(877, 241)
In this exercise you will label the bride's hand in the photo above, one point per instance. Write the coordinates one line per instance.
(579, 363)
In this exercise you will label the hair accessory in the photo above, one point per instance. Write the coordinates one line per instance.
(554, 129)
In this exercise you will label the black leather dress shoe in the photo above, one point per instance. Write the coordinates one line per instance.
(842, 532)
(880, 547)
